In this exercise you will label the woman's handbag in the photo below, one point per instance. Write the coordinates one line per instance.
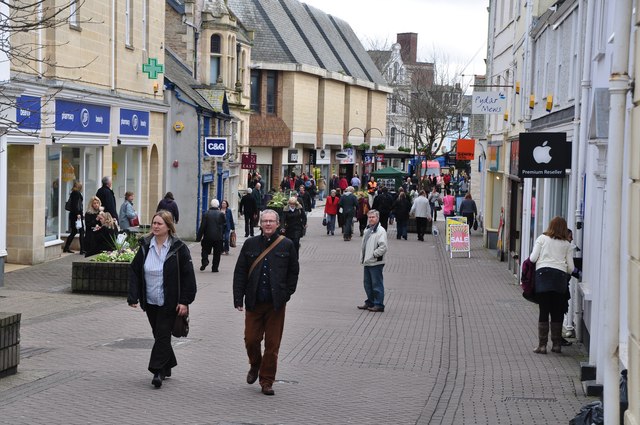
(324, 221)
(133, 222)
(232, 239)
(181, 326)
(475, 224)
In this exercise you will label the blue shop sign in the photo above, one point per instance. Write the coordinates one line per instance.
(207, 178)
(134, 123)
(82, 117)
(28, 115)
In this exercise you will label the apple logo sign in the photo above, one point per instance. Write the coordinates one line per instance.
(541, 154)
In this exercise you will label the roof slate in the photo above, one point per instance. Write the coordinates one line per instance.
(179, 75)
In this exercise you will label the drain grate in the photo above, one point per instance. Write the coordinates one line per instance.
(542, 399)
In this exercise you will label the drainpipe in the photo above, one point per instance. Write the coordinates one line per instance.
(618, 89)
(585, 104)
(575, 177)
(113, 45)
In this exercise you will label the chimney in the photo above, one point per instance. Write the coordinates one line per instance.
(409, 44)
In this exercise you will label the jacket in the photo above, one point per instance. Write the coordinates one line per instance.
(401, 208)
(178, 268)
(553, 253)
(383, 203)
(108, 199)
(228, 215)
(348, 203)
(420, 207)
(126, 212)
(331, 205)
(248, 205)
(284, 270)
(468, 206)
(294, 222)
(170, 205)
(374, 246)
(212, 227)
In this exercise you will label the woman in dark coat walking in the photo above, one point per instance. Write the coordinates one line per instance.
(162, 281)
(75, 214)
(90, 222)
(401, 208)
(169, 204)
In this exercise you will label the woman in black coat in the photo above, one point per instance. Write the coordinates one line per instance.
(75, 213)
(90, 222)
(401, 208)
(162, 281)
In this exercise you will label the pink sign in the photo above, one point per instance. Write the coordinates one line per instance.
(459, 238)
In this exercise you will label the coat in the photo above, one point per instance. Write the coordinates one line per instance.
(374, 246)
(213, 226)
(331, 205)
(348, 203)
(401, 208)
(294, 222)
(248, 205)
(170, 205)
(177, 269)
(108, 199)
(285, 269)
(76, 201)
(420, 207)
(127, 212)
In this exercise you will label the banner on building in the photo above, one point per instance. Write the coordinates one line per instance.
(544, 155)
(249, 161)
(489, 102)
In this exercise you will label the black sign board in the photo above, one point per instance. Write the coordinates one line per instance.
(292, 156)
(544, 155)
(312, 157)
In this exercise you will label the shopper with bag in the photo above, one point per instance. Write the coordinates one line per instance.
(128, 217)
(163, 283)
(76, 226)
(331, 211)
(469, 210)
(230, 230)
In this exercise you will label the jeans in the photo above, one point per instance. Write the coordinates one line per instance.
(551, 304)
(321, 194)
(264, 322)
(348, 223)
(374, 286)
(225, 241)
(401, 228)
(331, 223)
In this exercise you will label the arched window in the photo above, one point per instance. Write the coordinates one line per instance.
(214, 58)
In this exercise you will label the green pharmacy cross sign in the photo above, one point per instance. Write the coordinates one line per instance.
(152, 68)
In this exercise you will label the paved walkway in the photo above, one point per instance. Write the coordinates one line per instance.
(454, 346)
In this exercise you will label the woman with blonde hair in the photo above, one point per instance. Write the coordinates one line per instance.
(553, 257)
(94, 207)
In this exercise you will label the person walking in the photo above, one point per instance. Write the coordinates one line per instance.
(231, 227)
(107, 197)
(553, 256)
(211, 234)
(127, 212)
(469, 210)
(435, 202)
(304, 198)
(422, 212)
(401, 208)
(361, 212)
(258, 196)
(383, 203)
(348, 203)
(372, 257)
(90, 222)
(294, 222)
(163, 283)
(264, 279)
(331, 211)
(448, 204)
(343, 183)
(75, 216)
(322, 187)
(249, 210)
(355, 181)
(168, 203)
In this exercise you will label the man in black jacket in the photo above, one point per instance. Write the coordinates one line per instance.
(108, 198)
(211, 233)
(383, 203)
(265, 277)
(248, 208)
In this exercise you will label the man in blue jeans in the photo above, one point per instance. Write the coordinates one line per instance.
(372, 255)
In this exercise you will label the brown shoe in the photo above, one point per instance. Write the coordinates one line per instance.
(376, 309)
(363, 307)
(252, 376)
(268, 390)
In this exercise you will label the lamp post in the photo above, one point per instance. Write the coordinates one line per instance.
(366, 133)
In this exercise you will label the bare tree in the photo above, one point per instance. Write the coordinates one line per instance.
(27, 54)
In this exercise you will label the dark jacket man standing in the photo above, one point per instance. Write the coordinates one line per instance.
(383, 203)
(168, 203)
(248, 208)
(265, 277)
(211, 233)
(108, 198)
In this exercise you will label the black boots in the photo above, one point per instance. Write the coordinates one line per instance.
(556, 337)
(543, 338)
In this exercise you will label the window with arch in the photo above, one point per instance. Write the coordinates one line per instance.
(215, 50)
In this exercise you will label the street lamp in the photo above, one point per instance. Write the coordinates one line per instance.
(365, 133)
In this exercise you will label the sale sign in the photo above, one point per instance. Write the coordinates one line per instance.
(448, 222)
(460, 241)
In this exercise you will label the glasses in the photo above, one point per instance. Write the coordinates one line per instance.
(269, 221)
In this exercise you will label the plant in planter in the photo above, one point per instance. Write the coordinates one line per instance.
(362, 146)
(380, 147)
(347, 145)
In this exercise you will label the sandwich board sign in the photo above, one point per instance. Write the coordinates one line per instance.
(460, 241)
(448, 222)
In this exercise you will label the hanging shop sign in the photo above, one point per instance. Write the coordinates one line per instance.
(249, 161)
(345, 156)
(488, 103)
(28, 113)
(544, 155)
(323, 157)
(134, 123)
(465, 149)
(82, 117)
(215, 146)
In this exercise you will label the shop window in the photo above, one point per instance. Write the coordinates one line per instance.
(126, 174)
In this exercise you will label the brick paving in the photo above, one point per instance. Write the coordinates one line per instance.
(454, 346)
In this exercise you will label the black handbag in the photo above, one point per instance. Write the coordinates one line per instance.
(181, 326)
(324, 221)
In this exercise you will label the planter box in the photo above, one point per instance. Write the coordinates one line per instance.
(100, 278)
(9, 343)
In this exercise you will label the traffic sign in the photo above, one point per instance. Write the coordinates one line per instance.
(215, 146)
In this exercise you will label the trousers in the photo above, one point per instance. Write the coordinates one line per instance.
(263, 322)
(161, 319)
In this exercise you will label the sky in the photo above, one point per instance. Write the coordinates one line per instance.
(457, 28)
